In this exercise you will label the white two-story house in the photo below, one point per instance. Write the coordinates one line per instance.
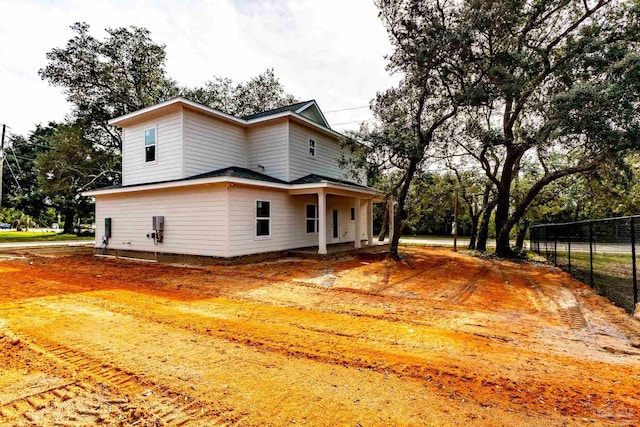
(225, 186)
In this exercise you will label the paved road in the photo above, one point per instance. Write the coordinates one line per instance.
(46, 244)
(439, 241)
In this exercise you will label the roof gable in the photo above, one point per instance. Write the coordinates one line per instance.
(311, 111)
(307, 109)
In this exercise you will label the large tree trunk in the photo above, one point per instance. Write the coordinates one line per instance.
(68, 213)
(400, 212)
(474, 231)
(502, 220)
(483, 232)
(385, 220)
(522, 232)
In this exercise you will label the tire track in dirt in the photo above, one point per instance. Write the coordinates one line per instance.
(562, 302)
(468, 290)
(169, 408)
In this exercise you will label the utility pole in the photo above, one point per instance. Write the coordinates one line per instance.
(454, 230)
(4, 128)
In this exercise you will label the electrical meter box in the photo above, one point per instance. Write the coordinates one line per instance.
(107, 227)
(158, 223)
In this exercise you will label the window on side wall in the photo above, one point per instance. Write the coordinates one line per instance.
(353, 214)
(312, 218)
(263, 218)
(150, 145)
(312, 148)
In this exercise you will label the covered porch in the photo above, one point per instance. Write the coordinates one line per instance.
(342, 217)
(339, 249)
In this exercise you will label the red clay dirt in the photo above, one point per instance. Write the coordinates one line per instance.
(437, 339)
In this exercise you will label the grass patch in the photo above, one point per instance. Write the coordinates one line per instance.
(38, 236)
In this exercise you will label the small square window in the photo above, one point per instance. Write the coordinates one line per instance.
(262, 209)
(312, 148)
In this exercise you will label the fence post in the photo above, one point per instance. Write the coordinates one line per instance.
(555, 245)
(591, 254)
(633, 263)
(569, 246)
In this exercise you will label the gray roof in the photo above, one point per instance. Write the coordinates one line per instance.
(316, 179)
(233, 171)
(292, 107)
(238, 172)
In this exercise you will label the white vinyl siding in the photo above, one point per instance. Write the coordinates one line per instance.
(346, 227)
(195, 220)
(168, 162)
(211, 144)
(288, 223)
(326, 161)
(268, 148)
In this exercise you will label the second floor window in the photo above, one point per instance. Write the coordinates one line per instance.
(312, 148)
(150, 145)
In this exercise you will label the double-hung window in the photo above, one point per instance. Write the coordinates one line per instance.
(352, 215)
(263, 218)
(312, 218)
(312, 148)
(150, 145)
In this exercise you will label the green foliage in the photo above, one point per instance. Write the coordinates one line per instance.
(260, 93)
(70, 166)
(17, 219)
(108, 78)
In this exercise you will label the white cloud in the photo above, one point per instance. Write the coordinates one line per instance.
(330, 50)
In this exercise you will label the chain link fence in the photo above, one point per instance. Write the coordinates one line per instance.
(599, 252)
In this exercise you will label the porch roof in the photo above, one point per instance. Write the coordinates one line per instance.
(309, 184)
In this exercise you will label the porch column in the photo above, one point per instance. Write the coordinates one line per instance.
(392, 217)
(369, 222)
(357, 243)
(322, 222)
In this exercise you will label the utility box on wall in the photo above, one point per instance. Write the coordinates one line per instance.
(107, 227)
(158, 223)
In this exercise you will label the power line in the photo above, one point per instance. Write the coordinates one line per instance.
(346, 109)
(354, 121)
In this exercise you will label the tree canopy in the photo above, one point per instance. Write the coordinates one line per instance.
(546, 88)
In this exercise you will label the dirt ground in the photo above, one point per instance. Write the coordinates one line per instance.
(438, 339)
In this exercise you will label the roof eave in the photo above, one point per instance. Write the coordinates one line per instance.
(228, 179)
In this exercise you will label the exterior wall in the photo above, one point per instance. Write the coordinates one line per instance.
(288, 221)
(346, 227)
(268, 146)
(168, 163)
(195, 220)
(211, 144)
(326, 161)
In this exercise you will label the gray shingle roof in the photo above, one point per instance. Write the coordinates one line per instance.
(315, 179)
(233, 171)
(238, 172)
(292, 107)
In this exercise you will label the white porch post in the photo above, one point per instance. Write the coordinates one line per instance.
(322, 222)
(358, 234)
(370, 222)
(392, 217)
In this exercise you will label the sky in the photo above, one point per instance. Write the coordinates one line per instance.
(332, 51)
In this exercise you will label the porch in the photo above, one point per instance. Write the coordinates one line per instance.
(341, 249)
(342, 216)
